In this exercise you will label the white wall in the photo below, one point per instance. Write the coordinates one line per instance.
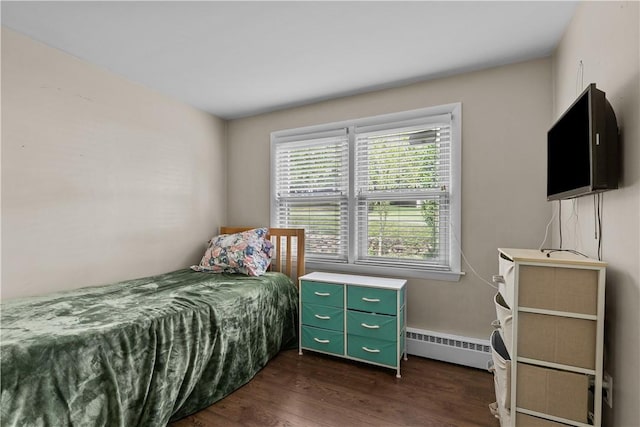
(102, 179)
(605, 37)
(506, 112)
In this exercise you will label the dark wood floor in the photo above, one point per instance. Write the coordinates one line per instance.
(318, 390)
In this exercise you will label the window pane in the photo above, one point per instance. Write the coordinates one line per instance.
(311, 183)
(403, 160)
(413, 230)
(402, 181)
(315, 170)
(324, 223)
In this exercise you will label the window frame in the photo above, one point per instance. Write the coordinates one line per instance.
(455, 196)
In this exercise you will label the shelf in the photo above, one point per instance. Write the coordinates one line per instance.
(552, 418)
(558, 313)
(556, 366)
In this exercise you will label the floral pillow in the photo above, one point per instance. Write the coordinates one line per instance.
(247, 252)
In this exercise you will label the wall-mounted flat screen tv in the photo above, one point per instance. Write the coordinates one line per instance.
(582, 148)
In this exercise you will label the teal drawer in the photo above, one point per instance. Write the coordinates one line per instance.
(379, 326)
(323, 340)
(373, 350)
(323, 316)
(374, 300)
(322, 293)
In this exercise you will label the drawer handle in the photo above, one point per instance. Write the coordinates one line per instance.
(496, 324)
(498, 279)
(322, 317)
(371, 350)
(322, 294)
(321, 341)
(364, 325)
(370, 299)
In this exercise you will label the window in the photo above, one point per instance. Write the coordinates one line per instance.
(380, 194)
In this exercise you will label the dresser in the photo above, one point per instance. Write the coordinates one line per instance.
(548, 346)
(355, 317)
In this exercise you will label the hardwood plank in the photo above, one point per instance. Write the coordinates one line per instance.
(318, 390)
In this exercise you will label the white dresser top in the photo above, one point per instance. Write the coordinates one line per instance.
(350, 279)
(555, 257)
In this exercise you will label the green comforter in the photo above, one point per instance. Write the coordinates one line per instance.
(141, 352)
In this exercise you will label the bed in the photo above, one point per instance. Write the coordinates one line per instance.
(148, 351)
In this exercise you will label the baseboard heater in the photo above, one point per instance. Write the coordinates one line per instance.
(465, 351)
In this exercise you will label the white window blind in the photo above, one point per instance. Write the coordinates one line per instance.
(374, 194)
(402, 178)
(311, 186)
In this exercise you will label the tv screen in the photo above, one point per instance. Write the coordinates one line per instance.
(582, 148)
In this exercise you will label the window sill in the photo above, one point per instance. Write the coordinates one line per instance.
(368, 270)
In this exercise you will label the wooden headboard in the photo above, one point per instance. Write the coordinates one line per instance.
(282, 239)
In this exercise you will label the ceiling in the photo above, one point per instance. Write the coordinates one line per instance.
(236, 59)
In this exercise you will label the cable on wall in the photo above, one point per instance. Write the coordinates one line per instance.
(549, 251)
(599, 199)
(595, 216)
(576, 223)
(560, 221)
(546, 230)
(473, 270)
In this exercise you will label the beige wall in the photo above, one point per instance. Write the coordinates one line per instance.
(604, 36)
(505, 115)
(102, 179)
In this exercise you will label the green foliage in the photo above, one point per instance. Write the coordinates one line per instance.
(402, 233)
(400, 163)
